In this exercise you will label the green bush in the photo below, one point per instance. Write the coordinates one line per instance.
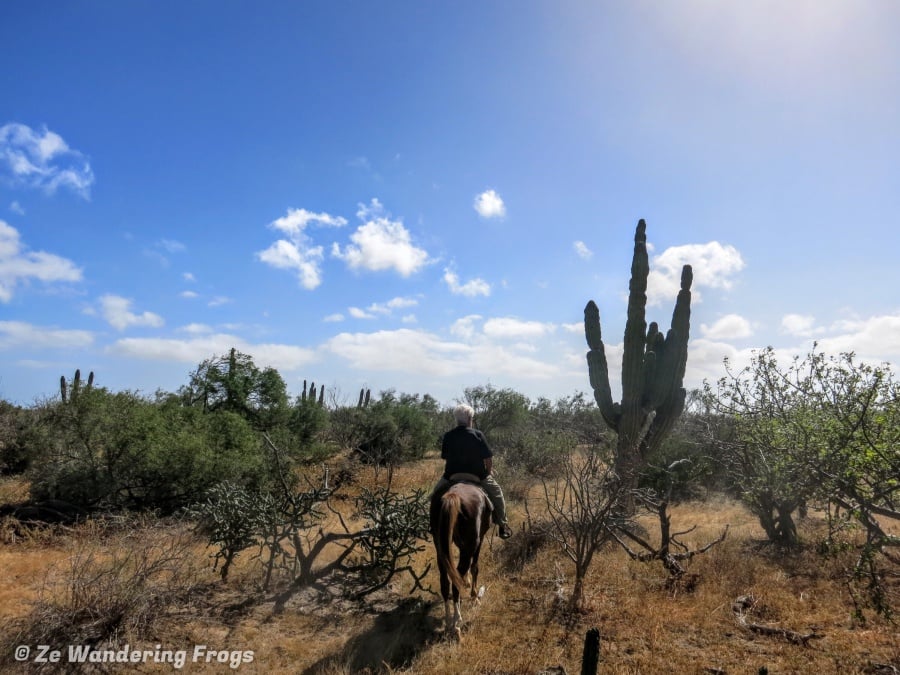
(119, 450)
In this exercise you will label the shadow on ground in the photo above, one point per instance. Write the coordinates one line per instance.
(395, 638)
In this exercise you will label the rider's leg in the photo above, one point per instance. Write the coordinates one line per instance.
(495, 494)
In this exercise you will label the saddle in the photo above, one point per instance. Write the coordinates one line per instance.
(469, 478)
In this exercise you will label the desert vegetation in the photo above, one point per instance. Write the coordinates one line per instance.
(752, 526)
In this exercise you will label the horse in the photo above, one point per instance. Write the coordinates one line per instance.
(462, 516)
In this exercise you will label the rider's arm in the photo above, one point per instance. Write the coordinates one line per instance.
(489, 465)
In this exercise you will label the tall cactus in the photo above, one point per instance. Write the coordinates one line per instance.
(652, 368)
(76, 384)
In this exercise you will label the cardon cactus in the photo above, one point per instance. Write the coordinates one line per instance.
(653, 367)
(76, 384)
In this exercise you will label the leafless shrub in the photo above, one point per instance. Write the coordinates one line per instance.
(104, 594)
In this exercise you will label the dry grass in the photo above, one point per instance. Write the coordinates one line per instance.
(521, 625)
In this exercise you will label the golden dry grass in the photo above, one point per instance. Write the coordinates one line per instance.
(522, 625)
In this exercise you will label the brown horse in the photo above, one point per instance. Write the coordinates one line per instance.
(463, 517)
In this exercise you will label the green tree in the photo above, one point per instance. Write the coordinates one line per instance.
(823, 429)
(235, 384)
(501, 414)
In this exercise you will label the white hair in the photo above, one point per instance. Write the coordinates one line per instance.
(464, 414)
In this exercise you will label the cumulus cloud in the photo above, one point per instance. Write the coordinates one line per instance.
(507, 327)
(387, 308)
(800, 325)
(42, 159)
(381, 244)
(465, 327)
(17, 334)
(713, 264)
(196, 349)
(728, 327)
(582, 250)
(117, 312)
(489, 205)
(296, 253)
(419, 352)
(358, 313)
(18, 265)
(873, 339)
(334, 318)
(470, 289)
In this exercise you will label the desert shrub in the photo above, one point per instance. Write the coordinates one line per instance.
(107, 595)
(105, 450)
(17, 428)
(390, 430)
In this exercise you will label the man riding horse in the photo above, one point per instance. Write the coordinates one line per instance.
(469, 458)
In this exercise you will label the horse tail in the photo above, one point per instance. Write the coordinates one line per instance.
(450, 509)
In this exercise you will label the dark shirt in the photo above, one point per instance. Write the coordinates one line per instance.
(465, 450)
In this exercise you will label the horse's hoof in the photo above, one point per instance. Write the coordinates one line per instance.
(480, 593)
(456, 635)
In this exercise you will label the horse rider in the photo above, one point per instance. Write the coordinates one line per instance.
(468, 457)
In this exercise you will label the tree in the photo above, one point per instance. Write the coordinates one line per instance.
(235, 384)
(501, 414)
(824, 429)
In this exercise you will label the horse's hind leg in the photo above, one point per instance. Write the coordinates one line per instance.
(476, 592)
(453, 617)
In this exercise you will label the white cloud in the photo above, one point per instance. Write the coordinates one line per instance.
(358, 313)
(190, 295)
(392, 304)
(582, 250)
(196, 329)
(18, 265)
(218, 301)
(20, 334)
(422, 353)
(873, 339)
(295, 221)
(471, 288)
(506, 327)
(728, 327)
(490, 205)
(465, 327)
(798, 324)
(577, 327)
(409, 318)
(194, 350)
(297, 253)
(117, 312)
(42, 159)
(16, 208)
(187, 276)
(713, 265)
(381, 244)
(333, 318)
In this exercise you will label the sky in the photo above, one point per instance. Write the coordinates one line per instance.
(424, 196)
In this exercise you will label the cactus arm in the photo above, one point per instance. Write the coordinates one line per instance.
(598, 369)
(635, 338)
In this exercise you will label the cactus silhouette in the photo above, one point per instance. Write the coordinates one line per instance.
(76, 385)
(653, 368)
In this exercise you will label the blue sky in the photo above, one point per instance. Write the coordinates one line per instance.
(423, 196)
